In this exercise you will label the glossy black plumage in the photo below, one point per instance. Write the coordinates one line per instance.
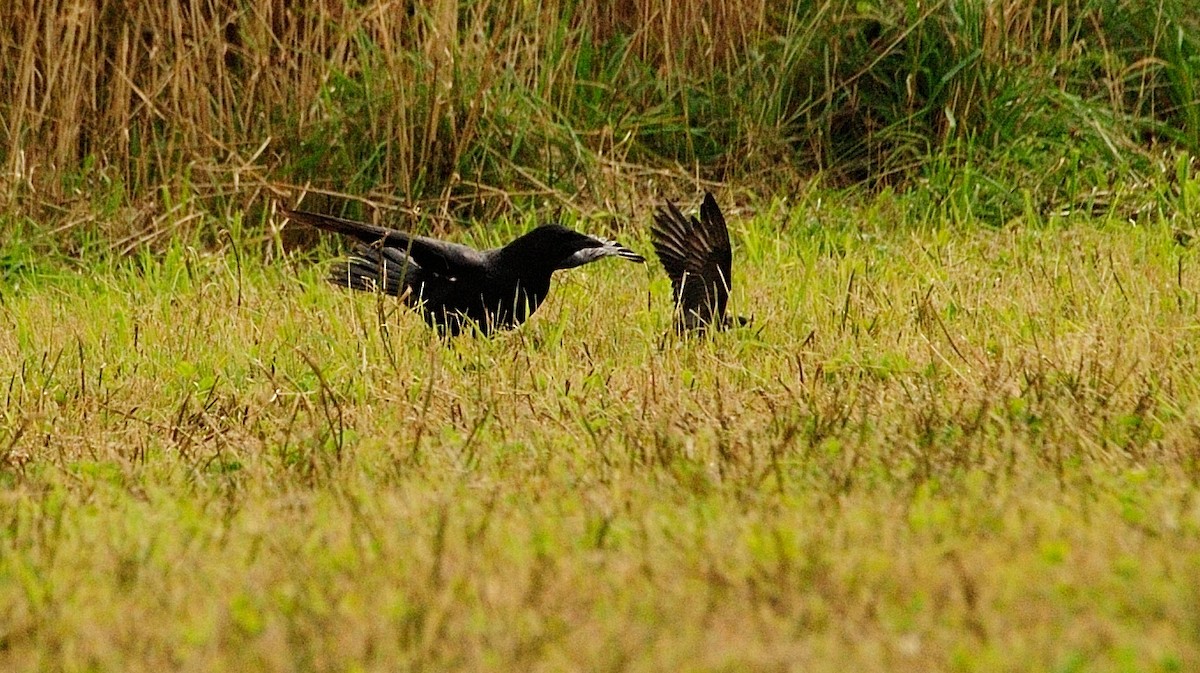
(698, 259)
(454, 286)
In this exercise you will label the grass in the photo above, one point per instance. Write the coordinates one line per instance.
(465, 110)
(961, 436)
(942, 448)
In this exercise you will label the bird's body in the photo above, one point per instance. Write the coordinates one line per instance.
(453, 286)
(698, 258)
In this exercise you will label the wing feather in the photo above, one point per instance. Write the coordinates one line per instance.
(697, 257)
(431, 254)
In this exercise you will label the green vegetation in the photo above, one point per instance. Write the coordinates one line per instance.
(173, 118)
(968, 449)
(962, 434)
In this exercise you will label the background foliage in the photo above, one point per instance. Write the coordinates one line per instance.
(987, 108)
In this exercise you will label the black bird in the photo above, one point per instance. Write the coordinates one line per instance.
(697, 257)
(454, 286)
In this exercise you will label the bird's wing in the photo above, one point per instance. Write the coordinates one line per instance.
(441, 257)
(697, 257)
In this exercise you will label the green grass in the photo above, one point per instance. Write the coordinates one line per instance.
(136, 124)
(941, 448)
(961, 435)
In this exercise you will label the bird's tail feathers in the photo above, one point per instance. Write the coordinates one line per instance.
(370, 269)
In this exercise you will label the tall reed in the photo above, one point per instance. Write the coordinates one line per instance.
(455, 109)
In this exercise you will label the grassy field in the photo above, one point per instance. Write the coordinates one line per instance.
(941, 448)
(137, 123)
(963, 433)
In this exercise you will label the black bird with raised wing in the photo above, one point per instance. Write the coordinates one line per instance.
(698, 258)
(455, 287)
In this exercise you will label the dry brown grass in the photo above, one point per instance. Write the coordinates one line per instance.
(134, 120)
(213, 91)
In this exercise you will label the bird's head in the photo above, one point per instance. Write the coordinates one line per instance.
(553, 246)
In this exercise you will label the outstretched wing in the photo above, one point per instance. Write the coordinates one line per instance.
(698, 259)
(440, 257)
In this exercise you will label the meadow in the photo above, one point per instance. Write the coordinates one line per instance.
(962, 432)
(937, 449)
